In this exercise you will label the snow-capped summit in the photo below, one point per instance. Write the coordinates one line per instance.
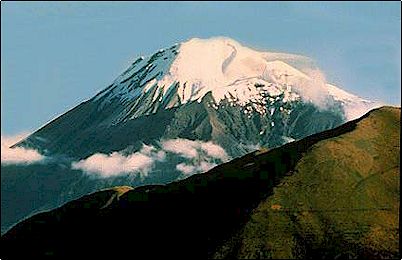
(203, 89)
(187, 71)
(186, 108)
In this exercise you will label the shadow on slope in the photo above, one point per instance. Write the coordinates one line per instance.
(190, 218)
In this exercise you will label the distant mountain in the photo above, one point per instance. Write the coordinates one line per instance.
(177, 112)
(334, 194)
(214, 89)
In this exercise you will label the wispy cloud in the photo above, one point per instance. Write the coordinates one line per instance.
(17, 155)
(313, 89)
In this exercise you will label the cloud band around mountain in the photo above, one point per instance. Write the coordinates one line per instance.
(18, 155)
(198, 157)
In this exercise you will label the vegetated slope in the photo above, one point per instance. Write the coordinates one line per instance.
(342, 199)
(331, 194)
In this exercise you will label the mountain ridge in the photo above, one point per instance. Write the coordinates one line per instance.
(198, 66)
(166, 80)
(203, 213)
(213, 91)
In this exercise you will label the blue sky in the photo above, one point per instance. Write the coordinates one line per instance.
(57, 54)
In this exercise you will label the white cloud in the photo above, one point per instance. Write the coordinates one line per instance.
(191, 149)
(184, 147)
(185, 168)
(17, 155)
(114, 164)
(151, 151)
(189, 169)
(214, 150)
(160, 155)
(110, 165)
(206, 166)
(147, 149)
(313, 89)
(199, 157)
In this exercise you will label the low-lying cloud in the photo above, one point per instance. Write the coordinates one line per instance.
(17, 155)
(193, 156)
(201, 156)
(115, 164)
(183, 147)
(190, 169)
(191, 149)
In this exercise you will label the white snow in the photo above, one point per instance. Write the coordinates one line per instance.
(354, 106)
(224, 67)
(231, 71)
(149, 85)
(288, 139)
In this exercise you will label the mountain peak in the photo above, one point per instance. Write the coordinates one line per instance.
(187, 71)
(218, 62)
(211, 40)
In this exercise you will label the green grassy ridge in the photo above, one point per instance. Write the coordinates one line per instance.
(343, 200)
(216, 214)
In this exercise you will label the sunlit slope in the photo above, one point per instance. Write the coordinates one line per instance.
(330, 195)
(341, 200)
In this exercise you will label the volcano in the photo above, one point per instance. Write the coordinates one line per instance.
(180, 111)
(210, 90)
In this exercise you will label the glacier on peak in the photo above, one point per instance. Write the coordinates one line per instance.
(187, 71)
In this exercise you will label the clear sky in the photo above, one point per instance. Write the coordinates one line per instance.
(57, 54)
